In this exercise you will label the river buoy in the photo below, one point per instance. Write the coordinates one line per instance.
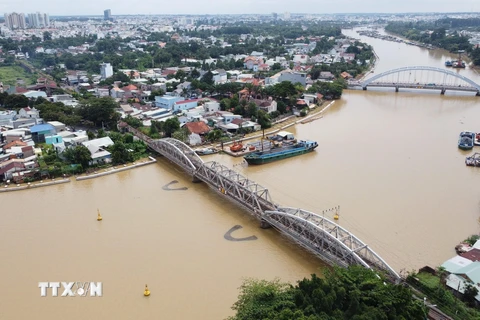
(146, 293)
(336, 216)
(99, 217)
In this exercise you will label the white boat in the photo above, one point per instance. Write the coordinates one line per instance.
(205, 151)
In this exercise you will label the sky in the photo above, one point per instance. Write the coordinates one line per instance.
(121, 7)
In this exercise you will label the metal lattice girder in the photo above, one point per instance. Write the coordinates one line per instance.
(250, 194)
(326, 238)
(177, 152)
(422, 68)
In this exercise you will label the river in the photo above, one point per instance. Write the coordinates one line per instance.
(390, 160)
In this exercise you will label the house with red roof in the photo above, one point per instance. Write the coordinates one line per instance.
(198, 127)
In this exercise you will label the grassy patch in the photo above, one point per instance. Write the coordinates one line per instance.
(10, 74)
(429, 280)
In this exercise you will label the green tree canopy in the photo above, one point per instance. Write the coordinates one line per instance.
(355, 293)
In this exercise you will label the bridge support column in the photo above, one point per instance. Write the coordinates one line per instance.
(195, 179)
(364, 88)
(396, 89)
(264, 224)
(478, 94)
(443, 91)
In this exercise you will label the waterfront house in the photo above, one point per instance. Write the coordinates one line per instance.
(462, 277)
(97, 148)
(198, 127)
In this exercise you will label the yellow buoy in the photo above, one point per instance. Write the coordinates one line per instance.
(336, 216)
(99, 217)
(146, 293)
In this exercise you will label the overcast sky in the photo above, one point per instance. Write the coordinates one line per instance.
(96, 7)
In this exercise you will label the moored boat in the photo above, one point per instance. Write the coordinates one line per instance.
(448, 63)
(466, 140)
(281, 152)
(473, 160)
(236, 147)
(205, 151)
(477, 139)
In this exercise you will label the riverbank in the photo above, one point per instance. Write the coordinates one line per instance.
(111, 170)
(32, 185)
(96, 174)
(279, 126)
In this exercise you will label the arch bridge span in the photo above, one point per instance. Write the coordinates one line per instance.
(324, 238)
(465, 84)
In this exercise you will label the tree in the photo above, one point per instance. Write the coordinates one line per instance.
(171, 125)
(120, 153)
(78, 155)
(354, 293)
(208, 78)
(47, 36)
(101, 111)
(264, 120)
(469, 294)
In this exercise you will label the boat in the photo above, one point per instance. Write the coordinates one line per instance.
(448, 63)
(473, 160)
(466, 140)
(205, 151)
(237, 146)
(281, 152)
(477, 139)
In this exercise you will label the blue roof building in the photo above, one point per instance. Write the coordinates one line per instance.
(39, 132)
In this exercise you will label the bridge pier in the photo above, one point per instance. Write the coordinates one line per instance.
(443, 91)
(195, 179)
(396, 89)
(364, 88)
(478, 94)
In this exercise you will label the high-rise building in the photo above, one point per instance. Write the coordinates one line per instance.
(106, 70)
(15, 20)
(38, 20)
(286, 16)
(107, 14)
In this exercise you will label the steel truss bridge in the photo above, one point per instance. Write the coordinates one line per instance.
(407, 78)
(326, 239)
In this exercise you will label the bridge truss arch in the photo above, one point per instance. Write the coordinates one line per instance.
(327, 239)
(421, 68)
(177, 152)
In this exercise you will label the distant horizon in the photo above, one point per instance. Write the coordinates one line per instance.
(244, 7)
(250, 14)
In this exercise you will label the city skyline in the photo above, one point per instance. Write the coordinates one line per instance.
(57, 8)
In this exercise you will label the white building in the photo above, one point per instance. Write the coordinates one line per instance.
(38, 20)
(15, 20)
(106, 70)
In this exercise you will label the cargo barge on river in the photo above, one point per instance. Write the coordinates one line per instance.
(281, 151)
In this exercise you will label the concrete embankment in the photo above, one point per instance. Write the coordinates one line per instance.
(33, 185)
(115, 169)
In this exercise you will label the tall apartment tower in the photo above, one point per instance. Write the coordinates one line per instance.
(38, 20)
(107, 14)
(15, 20)
(106, 70)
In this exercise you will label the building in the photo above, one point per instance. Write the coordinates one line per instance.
(107, 14)
(38, 20)
(166, 102)
(15, 20)
(40, 131)
(97, 149)
(185, 105)
(293, 77)
(106, 70)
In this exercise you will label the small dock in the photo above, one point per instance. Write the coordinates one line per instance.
(473, 160)
(246, 150)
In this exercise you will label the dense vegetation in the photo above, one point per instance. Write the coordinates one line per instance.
(347, 294)
(435, 33)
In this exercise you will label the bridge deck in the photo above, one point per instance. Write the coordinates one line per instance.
(321, 236)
